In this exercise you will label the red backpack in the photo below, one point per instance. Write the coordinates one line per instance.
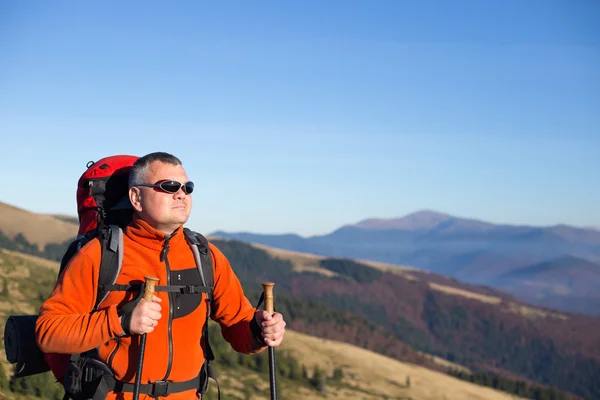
(102, 201)
(102, 194)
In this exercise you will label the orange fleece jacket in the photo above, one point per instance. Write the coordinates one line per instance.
(67, 324)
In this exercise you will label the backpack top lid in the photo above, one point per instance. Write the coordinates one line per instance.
(103, 185)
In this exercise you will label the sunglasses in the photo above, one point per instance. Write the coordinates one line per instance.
(171, 186)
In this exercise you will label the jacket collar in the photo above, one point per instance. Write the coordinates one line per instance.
(140, 231)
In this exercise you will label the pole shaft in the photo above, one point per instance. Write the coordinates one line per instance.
(138, 374)
(272, 369)
(148, 293)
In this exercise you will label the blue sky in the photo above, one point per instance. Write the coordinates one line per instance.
(304, 116)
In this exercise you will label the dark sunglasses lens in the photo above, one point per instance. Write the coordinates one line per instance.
(188, 187)
(170, 186)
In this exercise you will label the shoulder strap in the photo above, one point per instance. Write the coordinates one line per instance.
(73, 248)
(111, 242)
(199, 246)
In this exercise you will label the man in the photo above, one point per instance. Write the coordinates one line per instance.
(154, 245)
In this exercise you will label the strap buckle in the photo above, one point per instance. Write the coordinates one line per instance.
(160, 389)
(191, 289)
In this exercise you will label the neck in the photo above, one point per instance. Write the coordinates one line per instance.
(167, 229)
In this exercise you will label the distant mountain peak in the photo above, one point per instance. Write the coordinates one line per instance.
(424, 219)
(569, 261)
(428, 214)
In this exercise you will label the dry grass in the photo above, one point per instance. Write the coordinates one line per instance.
(36, 228)
(387, 267)
(378, 376)
(301, 262)
(288, 254)
(367, 376)
(306, 262)
(38, 261)
(445, 363)
(532, 312)
(525, 311)
(465, 293)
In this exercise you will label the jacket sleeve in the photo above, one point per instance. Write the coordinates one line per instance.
(66, 323)
(231, 309)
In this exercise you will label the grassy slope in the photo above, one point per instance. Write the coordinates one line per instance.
(378, 376)
(36, 228)
(367, 375)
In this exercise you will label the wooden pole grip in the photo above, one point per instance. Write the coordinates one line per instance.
(268, 291)
(150, 284)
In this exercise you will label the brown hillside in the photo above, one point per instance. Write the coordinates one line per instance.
(304, 262)
(39, 229)
(367, 375)
(479, 327)
(377, 376)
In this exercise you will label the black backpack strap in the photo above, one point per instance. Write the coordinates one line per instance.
(207, 371)
(199, 245)
(73, 248)
(111, 242)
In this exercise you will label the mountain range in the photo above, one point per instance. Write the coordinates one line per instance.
(556, 266)
(476, 333)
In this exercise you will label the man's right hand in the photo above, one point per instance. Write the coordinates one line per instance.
(144, 317)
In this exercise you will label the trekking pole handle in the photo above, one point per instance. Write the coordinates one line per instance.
(268, 291)
(150, 284)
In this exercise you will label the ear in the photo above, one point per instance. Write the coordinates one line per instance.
(135, 197)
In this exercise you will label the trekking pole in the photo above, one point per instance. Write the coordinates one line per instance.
(268, 292)
(148, 293)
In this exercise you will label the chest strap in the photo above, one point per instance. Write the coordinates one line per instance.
(184, 289)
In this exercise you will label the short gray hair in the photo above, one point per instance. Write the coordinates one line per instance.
(139, 170)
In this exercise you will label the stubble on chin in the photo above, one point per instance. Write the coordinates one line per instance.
(180, 215)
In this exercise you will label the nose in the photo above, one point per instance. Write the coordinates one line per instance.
(180, 194)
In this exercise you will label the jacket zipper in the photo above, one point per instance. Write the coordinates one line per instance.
(112, 354)
(164, 257)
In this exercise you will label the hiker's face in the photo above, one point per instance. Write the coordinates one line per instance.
(163, 211)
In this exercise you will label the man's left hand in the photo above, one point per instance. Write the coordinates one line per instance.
(272, 327)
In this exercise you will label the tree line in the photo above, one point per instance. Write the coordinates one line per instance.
(52, 251)
(517, 387)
